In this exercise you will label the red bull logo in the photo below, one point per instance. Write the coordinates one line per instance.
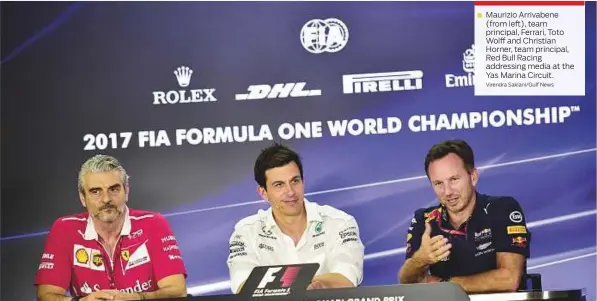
(435, 214)
(518, 240)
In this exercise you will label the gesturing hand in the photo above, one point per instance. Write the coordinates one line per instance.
(433, 249)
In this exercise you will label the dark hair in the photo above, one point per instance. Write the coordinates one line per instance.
(274, 156)
(455, 146)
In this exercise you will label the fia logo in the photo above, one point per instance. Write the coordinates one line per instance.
(329, 35)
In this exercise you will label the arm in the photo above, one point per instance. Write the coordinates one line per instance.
(414, 270)
(242, 258)
(168, 265)
(169, 287)
(54, 271)
(505, 278)
(346, 258)
(47, 292)
(510, 239)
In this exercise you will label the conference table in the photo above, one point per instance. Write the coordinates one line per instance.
(562, 295)
(405, 292)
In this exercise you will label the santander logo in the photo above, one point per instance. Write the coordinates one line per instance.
(138, 287)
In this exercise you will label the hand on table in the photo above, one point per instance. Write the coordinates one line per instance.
(316, 285)
(101, 295)
(431, 279)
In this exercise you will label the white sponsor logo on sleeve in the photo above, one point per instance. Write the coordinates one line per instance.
(46, 266)
(168, 238)
(516, 216)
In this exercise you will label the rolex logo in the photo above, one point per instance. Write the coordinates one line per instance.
(183, 75)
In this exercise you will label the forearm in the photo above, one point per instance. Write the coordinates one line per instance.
(52, 297)
(166, 292)
(333, 280)
(498, 280)
(413, 271)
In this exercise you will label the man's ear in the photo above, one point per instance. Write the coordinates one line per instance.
(262, 193)
(82, 199)
(475, 176)
(127, 190)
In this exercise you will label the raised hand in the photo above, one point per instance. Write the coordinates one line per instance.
(433, 249)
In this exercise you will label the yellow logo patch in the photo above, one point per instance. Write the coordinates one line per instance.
(409, 236)
(82, 256)
(125, 255)
(97, 259)
(517, 230)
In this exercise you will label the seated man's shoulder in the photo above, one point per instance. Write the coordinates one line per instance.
(499, 201)
(424, 213)
(146, 216)
(251, 221)
(70, 222)
(328, 212)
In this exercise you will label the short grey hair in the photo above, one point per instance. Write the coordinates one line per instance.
(101, 163)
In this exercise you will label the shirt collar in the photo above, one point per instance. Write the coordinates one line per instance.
(480, 204)
(310, 207)
(91, 234)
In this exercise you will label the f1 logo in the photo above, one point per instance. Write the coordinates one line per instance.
(286, 280)
(268, 277)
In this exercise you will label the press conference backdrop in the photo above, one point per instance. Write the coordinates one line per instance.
(187, 94)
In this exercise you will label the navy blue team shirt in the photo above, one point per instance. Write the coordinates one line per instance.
(497, 224)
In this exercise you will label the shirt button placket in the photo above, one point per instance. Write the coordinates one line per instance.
(294, 250)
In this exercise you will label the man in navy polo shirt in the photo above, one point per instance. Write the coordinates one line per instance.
(477, 241)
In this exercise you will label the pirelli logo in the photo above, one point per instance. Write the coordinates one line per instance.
(517, 230)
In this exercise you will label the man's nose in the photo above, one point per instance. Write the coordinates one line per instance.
(448, 190)
(106, 199)
(291, 190)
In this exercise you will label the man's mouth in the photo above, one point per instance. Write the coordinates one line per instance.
(452, 201)
(290, 202)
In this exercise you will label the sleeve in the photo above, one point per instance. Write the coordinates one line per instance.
(242, 258)
(415, 231)
(55, 267)
(348, 252)
(165, 251)
(509, 227)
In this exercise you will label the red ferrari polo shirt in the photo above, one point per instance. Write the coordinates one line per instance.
(74, 259)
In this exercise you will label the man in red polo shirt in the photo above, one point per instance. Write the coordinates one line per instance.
(110, 252)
